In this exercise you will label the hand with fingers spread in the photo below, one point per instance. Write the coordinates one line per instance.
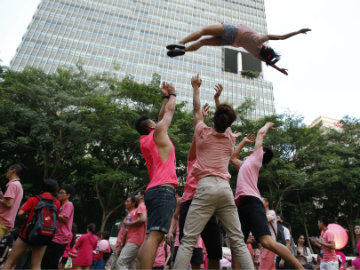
(171, 89)
(196, 81)
(218, 89)
(164, 90)
(205, 110)
(250, 138)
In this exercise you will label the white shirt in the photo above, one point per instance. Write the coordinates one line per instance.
(286, 234)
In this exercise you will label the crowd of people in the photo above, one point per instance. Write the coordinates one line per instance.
(165, 228)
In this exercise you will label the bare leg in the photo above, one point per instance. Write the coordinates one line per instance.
(268, 242)
(214, 41)
(215, 30)
(147, 252)
(18, 249)
(213, 264)
(36, 256)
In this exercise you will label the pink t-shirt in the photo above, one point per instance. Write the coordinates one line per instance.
(249, 39)
(85, 245)
(63, 229)
(161, 255)
(358, 245)
(191, 183)
(160, 172)
(213, 152)
(356, 263)
(247, 179)
(14, 191)
(329, 254)
(136, 234)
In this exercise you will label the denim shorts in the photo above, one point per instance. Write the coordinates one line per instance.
(160, 204)
(229, 35)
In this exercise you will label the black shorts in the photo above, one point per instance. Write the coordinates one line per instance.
(253, 217)
(211, 234)
(160, 204)
(197, 257)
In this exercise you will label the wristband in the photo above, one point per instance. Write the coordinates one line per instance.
(163, 97)
(172, 95)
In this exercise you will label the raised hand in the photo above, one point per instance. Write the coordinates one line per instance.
(304, 30)
(164, 90)
(250, 138)
(171, 89)
(283, 70)
(270, 125)
(196, 81)
(205, 110)
(218, 89)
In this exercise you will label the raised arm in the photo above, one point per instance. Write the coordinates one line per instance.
(196, 83)
(282, 37)
(165, 97)
(161, 138)
(218, 89)
(235, 161)
(261, 134)
(282, 70)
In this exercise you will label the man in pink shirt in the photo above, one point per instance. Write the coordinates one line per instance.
(214, 147)
(10, 201)
(135, 235)
(248, 199)
(327, 243)
(63, 234)
(159, 153)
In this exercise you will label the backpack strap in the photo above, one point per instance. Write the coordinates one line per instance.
(272, 227)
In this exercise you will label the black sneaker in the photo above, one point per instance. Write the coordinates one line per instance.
(175, 52)
(175, 46)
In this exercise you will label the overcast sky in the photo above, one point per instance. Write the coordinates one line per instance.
(323, 65)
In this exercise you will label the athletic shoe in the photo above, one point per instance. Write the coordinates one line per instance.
(175, 52)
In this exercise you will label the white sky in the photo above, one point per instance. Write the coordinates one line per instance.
(323, 65)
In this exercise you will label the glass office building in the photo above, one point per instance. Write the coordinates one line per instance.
(131, 35)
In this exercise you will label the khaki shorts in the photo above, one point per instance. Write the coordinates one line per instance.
(3, 230)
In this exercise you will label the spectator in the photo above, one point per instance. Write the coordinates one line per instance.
(303, 253)
(163, 255)
(85, 246)
(63, 234)
(10, 201)
(50, 188)
(65, 256)
(104, 251)
(327, 244)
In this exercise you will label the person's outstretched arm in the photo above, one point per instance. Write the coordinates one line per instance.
(165, 97)
(218, 89)
(282, 37)
(261, 134)
(196, 83)
(161, 137)
(282, 70)
(235, 161)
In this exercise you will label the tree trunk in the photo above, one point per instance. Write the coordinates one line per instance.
(304, 222)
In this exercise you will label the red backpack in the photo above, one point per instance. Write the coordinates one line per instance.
(41, 228)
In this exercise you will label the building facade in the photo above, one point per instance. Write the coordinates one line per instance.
(129, 37)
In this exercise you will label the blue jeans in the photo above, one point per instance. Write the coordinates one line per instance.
(160, 204)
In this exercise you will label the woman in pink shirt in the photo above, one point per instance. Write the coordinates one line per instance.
(236, 36)
(85, 245)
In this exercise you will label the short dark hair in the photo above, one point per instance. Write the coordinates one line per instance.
(91, 227)
(68, 189)
(224, 117)
(268, 201)
(269, 55)
(50, 185)
(105, 235)
(132, 198)
(19, 168)
(142, 192)
(141, 125)
(324, 220)
(268, 155)
(286, 224)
